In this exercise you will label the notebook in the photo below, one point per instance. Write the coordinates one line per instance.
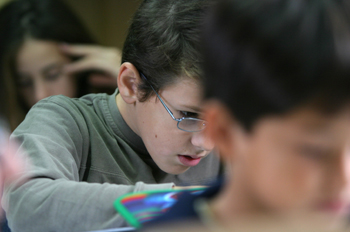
(141, 207)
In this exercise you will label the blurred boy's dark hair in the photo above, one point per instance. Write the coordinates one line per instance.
(267, 57)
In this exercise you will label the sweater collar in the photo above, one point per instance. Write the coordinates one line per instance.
(121, 128)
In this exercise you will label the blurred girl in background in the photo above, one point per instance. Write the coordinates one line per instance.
(37, 58)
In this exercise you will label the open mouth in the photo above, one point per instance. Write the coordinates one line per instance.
(189, 161)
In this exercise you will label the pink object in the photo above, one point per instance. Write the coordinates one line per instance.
(10, 164)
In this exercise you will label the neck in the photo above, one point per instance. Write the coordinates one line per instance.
(233, 204)
(127, 112)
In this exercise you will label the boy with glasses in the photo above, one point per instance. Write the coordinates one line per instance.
(87, 152)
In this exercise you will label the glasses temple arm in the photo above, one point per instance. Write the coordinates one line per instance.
(165, 106)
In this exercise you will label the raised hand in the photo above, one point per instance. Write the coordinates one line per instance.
(104, 60)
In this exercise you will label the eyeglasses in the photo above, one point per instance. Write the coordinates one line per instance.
(187, 124)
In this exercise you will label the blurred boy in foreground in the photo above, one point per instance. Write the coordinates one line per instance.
(278, 110)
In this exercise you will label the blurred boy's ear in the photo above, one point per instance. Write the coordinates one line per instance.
(222, 129)
(128, 80)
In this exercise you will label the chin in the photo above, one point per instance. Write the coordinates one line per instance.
(176, 171)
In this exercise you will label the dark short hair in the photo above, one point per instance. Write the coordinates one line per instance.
(49, 20)
(163, 41)
(267, 57)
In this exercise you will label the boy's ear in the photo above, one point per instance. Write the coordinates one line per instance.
(221, 129)
(128, 80)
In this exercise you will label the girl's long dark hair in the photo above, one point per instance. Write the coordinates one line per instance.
(49, 20)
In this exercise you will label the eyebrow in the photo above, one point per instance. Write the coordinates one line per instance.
(193, 108)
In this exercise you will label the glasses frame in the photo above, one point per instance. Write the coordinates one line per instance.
(171, 113)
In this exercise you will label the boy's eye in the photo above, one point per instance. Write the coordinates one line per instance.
(314, 153)
(187, 114)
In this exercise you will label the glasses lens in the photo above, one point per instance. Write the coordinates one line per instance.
(191, 124)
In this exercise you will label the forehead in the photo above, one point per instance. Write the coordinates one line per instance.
(38, 53)
(184, 91)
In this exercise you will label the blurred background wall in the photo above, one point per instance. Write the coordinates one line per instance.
(107, 20)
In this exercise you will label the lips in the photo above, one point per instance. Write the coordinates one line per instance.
(335, 207)
(190, 160)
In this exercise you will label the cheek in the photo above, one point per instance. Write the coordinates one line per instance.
(161, 135)
(282, 179)
(65, 85)
(165, 139)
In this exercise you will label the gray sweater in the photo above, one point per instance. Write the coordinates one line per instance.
(82, 157)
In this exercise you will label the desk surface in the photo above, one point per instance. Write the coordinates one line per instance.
(117, 230)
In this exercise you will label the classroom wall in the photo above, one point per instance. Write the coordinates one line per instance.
(2, 2)
(107, 20)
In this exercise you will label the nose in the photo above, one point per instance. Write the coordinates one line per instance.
(41, 91)
(201, 141)
(340, 174)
